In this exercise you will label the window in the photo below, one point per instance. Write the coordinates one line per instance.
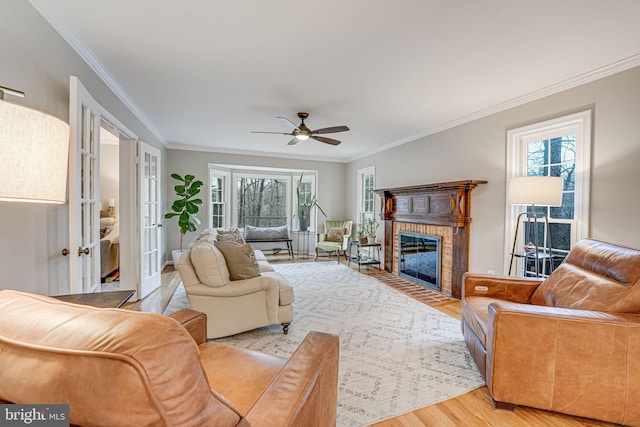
(559, 147)
(219, 193)
(263, 197)
(261, 201)
(366, 184)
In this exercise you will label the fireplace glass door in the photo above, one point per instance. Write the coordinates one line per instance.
(419, 258)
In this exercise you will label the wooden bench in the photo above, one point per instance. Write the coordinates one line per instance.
(264, 232)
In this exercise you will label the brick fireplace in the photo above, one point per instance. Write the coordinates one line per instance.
(441, 209)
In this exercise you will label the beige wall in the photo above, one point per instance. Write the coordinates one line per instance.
(36, 60)
(477, 150)
(331, 176)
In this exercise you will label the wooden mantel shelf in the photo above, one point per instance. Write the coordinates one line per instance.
(441, 204)
(445, 203)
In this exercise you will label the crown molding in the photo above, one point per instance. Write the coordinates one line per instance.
(173, 146)
(55, 19)
(598, 73)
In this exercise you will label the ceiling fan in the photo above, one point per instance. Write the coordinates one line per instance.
(302, 132)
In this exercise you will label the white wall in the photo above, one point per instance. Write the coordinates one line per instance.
(110, 175)
(477, 150)
(331, 187)
(36, 60)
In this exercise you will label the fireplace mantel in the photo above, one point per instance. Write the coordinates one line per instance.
(442, 204)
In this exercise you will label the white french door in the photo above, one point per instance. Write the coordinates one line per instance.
(84, 190)
(150, 219)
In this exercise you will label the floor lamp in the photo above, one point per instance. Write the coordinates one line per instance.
(34, 151)
(534, 191)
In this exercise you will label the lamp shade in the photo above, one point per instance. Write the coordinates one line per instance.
(535, 190)
(34, 154)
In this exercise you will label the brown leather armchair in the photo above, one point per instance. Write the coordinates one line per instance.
(570, 343)
(125, 368)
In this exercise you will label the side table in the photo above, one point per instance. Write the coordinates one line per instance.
(303, 244)
(373, 258)
(111, 299)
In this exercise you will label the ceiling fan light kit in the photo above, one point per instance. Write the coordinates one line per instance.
(302, 132)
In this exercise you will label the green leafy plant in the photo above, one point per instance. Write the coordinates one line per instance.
(306, 202)
(187, 206)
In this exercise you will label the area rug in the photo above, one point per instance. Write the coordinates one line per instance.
(396, 354)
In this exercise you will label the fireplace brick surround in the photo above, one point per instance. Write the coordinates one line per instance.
(441, 209)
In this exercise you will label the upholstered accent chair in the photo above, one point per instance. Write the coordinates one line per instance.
(109, 246)
(116, 367)
(570, 343)
(335, 238)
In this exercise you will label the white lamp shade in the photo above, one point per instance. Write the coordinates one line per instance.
(535, 190)
(34, 154)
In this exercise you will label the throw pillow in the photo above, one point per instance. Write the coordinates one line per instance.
(234, 236)
(240, 259)
(266, 233)
(335, 234)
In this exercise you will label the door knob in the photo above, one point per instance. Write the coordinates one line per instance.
(65, 252)
(83, 251)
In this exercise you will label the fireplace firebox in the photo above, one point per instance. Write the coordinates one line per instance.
(419, 258)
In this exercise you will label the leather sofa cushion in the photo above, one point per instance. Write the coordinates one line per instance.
(209, 264)
(237, 374)
(100, 361)
(475, 311)
(594, 276)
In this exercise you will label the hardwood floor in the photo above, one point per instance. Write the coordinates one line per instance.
(470, 409)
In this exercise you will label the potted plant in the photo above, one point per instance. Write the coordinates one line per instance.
(186, 207)
(361, 236)
(370, 227)
(306, 202)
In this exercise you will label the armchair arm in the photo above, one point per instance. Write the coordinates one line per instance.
(571, 361)
(195, 322)
(305, 391)
(516, 289)
(321, 237)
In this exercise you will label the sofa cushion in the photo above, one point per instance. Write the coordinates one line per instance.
(234, 236)
(595, 276)
(240, 259)
(266, 233)
(335, 234)
(209, 264)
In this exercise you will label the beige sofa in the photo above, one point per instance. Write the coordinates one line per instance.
(566, 344)
(123, 368)
(109, 246)
(233, 306)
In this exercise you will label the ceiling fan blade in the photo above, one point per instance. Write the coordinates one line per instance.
(326, 140)
(277, 133)
(332, 129)
(294, 141)
(288, 123)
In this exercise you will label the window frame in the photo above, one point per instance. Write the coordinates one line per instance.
(517, 140)
(226, 197)
(362, 214)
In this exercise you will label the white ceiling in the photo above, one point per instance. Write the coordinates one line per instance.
(206, 73)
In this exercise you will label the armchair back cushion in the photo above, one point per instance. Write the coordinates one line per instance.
(120, 359)
(595, 276)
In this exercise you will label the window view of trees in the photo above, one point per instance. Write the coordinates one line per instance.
(261, 201)
(556, 157)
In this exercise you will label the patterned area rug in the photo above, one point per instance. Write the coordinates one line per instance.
(396, 354)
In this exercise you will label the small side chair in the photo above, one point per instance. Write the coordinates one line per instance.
(335, 238)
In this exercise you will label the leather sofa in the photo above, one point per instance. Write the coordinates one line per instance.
(569, 343)
(116, 367)
(233, 306)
